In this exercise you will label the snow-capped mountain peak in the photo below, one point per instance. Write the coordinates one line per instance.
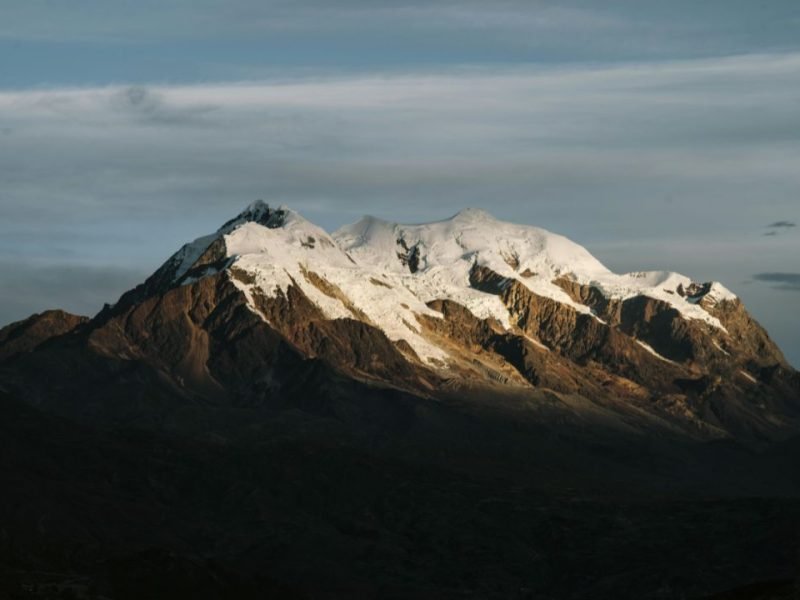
(469, 298)
(391, 273)
(441, 256)
(472, 215)
(469, 235)
(261, 213)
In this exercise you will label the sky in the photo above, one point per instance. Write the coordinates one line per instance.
(660, 135)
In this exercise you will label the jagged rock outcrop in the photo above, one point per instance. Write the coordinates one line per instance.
(683, 340)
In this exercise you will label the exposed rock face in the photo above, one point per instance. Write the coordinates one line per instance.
(664, 328)
(746, 335)
(409, 256)
(355, 346)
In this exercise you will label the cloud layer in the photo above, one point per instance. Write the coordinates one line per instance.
(784, 281)
(692, 147)
(782, 225)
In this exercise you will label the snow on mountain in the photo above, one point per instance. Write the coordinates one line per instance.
(445, 251)
(293, 251)
(190, 253)
(389, 271)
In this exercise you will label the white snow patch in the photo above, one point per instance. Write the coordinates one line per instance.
(190, 253)
(748, 377)
(205, 273)
(720, 348)
(537, 343)
(661, 285)
(652, 351)
(245, 289)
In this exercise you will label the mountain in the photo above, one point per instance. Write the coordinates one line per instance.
(443, 308)
(336, 405)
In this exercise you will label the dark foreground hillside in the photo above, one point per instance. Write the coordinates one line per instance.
(427, 502)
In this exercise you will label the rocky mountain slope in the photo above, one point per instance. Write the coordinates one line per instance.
(338, 405)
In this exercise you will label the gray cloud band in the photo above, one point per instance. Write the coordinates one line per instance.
(783, 281)
(623, 135)
(782, 225)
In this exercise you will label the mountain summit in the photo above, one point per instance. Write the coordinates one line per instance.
(468, 305)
